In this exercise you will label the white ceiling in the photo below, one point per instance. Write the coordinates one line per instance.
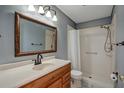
(80, 13)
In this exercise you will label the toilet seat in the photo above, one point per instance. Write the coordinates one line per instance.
(75, 74)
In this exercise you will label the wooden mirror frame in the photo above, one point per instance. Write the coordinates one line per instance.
(17, 36)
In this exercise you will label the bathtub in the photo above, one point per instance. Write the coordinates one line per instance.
(88, 82)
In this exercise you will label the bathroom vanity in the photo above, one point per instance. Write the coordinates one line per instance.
(52, 73)
(59, 78)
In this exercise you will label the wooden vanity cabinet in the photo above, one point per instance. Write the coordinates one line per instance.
(59, 78)
(56, 84)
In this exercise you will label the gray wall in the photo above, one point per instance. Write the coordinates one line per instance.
(62, 23)
(7, 32)
(119, 11)
(93, 23)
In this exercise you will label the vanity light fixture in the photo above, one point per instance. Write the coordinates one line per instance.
(45, 10)
(31, 8)
(54, 18)
(48, 14)
(41, 10)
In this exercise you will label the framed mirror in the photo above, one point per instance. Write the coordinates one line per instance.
(33, 36)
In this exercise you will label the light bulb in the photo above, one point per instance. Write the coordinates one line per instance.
(31, 8)
(48, 14)
(54, 18)
(41, 11)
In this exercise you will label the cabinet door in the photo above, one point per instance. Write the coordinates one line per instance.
(56, 84)
(67, 84)
(67, 77)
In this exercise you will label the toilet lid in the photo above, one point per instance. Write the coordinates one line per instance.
(76, 73)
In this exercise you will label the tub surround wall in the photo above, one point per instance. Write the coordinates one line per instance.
(95, 62)
(7, 31)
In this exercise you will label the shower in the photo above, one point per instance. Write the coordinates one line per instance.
(97, 55)
(108, 41)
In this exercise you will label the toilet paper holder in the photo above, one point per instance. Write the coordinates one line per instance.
(114, 76)
(121, 77)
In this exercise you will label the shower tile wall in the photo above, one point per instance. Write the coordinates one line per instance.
(95, 63)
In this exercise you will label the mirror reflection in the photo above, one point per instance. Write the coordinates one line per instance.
(36, 37)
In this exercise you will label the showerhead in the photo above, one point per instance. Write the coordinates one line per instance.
(105, 26)
(108, 39)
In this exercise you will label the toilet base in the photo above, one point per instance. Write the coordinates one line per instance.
(76, 83)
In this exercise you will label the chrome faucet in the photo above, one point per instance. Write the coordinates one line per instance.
(38, 60)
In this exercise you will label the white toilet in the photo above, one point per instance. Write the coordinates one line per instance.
(76, 78)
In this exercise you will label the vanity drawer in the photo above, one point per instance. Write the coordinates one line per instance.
(66, 77)
(46, 80)
(56, 84)
(50, 78)
(42, 82)
(67, 84)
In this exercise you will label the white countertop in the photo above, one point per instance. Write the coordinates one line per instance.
(18, 76)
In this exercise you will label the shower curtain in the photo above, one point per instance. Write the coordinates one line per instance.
(74, 49)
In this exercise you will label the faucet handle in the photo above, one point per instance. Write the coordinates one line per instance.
(41, 56)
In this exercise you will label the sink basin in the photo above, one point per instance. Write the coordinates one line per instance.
(42, 66)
